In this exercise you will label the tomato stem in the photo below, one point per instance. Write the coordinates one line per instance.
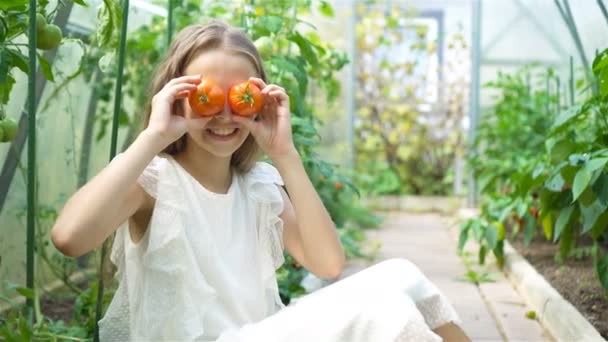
(247, 97)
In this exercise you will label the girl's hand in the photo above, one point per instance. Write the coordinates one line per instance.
(165, 124)
(272, 126)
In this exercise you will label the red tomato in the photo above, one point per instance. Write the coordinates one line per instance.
(246, 99)
(208, 99)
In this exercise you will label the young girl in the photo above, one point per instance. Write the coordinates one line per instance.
(200, 225)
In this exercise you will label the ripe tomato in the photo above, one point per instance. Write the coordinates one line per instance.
(208, 99)
(246, 99)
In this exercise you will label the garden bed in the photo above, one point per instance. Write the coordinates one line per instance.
(574, 279)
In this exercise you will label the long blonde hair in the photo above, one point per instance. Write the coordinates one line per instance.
(189, 43)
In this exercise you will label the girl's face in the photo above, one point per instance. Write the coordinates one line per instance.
(221, 136)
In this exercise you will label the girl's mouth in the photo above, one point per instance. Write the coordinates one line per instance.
(222, 133)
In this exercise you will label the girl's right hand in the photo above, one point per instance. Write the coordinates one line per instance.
(164, 124)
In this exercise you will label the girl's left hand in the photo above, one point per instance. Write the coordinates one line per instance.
(272, 126)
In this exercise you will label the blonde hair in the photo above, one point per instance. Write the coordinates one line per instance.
(189, 43)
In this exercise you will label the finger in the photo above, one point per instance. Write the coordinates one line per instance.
(258, 81)
(172, 91)
(182, 95)
(278, 95)
(272, 87)
(194, 79)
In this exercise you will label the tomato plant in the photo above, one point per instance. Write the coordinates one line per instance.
(542, 163)
(208, 99)
(245, 99)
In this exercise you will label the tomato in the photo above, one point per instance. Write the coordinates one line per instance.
(9, 129)
(208, 99)
(264, 46)
(49, 38)
(246, 99)
(40, 23)
(338, 186)
(534, 212)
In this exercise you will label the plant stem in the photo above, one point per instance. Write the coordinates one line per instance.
(600, 3)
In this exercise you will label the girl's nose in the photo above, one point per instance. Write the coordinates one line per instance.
(226, 113)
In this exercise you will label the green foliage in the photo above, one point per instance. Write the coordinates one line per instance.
(541, 165)
(14, 22)
(18, 326)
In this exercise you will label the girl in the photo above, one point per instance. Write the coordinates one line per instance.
(200, 226)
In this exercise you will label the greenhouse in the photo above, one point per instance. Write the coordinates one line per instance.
(303, 170)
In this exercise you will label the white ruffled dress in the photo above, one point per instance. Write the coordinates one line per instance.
(205, 271)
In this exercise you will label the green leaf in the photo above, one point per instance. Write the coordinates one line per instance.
(491, 234)
(562, 220)
(109, 18)
(5, 88)
(566, 242)
(5, 65)
(326, 9)
(595, 164)
(601, 268)
(295, 69)
(271, 23)
(600, 226)
(9, 4)
(482, 254)
(529, 229)
(81, 3)
(581, 182)
(566, 116)
(305, 47)
(600, 61)
(556, 182)
(590, 214)
(46, 68)
(26, 292)
(499, 253)
(561, 150)
(600, 188)
(19, 60)
(463, 237)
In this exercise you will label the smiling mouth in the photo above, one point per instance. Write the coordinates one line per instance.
(223, 132)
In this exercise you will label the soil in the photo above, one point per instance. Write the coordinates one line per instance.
(57, 309)
(575, 279)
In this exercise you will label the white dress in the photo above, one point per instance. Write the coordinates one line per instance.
(205, 271)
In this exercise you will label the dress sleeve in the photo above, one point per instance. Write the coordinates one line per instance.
(262, 184)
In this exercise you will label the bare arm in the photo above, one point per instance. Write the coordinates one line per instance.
(108, 200)
(113, 196)
(309, 233)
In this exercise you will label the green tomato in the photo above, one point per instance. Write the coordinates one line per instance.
(9, 129)
(40, 23)
(265, 46)
(50, 38)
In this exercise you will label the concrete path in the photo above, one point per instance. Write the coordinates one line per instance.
(492, 311)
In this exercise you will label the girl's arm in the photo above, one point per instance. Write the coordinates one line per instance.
(114, 196)
(309, 234)
(106, 201)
